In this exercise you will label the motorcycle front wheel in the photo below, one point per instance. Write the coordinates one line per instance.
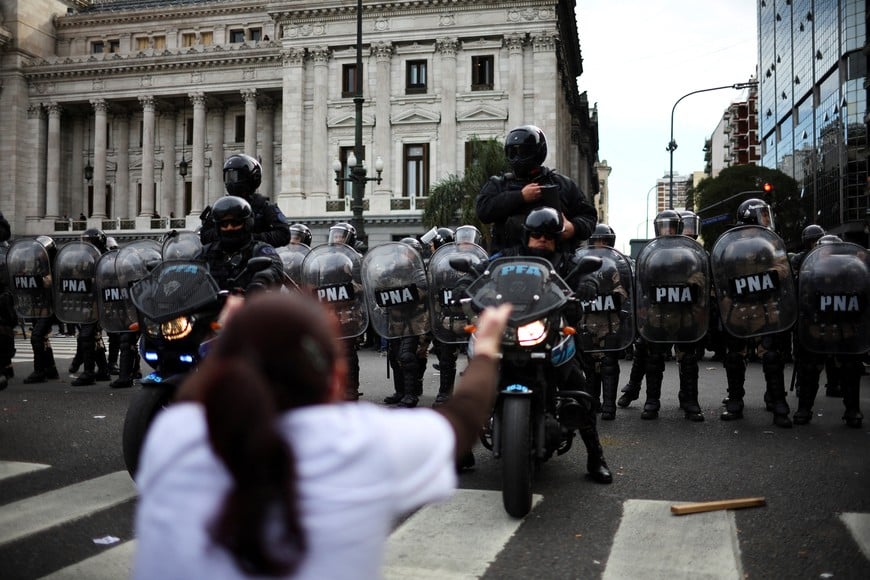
(516, 455)
(144, 406)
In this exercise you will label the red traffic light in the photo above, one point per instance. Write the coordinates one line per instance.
(767, 188)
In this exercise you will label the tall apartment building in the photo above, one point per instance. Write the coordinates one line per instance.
(812, 70)
(124, 110)
(735, 140)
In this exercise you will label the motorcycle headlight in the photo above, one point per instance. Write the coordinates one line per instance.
(176, 329)
(532, 333)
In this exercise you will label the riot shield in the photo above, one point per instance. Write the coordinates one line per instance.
(607, 321)
(292, 256)
(833, 299)
(332, 273)
(75, 301)
(181, 245)
(673, 290)
(396, 290)
(29, 271)
(4, 271)
(116, 310)
(754, 285)
(446, 288)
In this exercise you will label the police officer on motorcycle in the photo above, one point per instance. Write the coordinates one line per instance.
(543, 229)
(227, 258)
(505, 200)
(242, 177)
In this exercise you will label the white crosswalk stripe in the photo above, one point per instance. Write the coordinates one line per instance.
(63, 347)
(463, 536)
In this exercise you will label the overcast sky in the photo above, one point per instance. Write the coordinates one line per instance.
(639, 57)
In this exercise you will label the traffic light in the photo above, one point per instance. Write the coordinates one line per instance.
(767, 188)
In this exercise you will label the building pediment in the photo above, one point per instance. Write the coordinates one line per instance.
(415, 115)
(348, 120)
(482, 113)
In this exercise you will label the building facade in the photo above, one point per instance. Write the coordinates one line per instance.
(123, 111)
(812, 72)
(735, 140)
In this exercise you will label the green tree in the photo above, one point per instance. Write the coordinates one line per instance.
(720, 197)
(451, 200)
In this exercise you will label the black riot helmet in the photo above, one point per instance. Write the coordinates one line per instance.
(829, 239)
(691, 223)
(414, 243)
(467, 234)
(112, 243)
(300, 234)
(49, 244)
(811, 235)
(342, 233)
(242, 175)
(756, 212)
(96, 237)
(233, 219)
(445, 236)
(526, 149)
(603, 234)
(543, 221)
(668, 223)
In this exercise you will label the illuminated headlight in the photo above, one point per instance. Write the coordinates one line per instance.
(177, 329)
(532, 333)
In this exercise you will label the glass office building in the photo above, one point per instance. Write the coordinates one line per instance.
(813, 117)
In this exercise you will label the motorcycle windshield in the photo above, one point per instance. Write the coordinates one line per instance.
(529, 284)
(174, 289)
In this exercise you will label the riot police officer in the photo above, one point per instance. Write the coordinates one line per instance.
(505, 200)
(8, 316)
(345, 233)
(44, 367)
(770, 346)
(242, 177)
(300, 234)
(227, 258)
(467, 234)
(90, 349)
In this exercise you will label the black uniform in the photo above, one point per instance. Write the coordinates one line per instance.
(270, 224)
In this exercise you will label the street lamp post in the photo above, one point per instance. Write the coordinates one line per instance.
(647, 207)
(357, 175)
(672, 145)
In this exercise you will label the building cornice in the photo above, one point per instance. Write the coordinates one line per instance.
(315, 11)
(95, 18)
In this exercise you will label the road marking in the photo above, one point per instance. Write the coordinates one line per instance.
(41, 512)
(462, 537)
(859, 526)
(108, 565)
(13, 468)
(652, 543)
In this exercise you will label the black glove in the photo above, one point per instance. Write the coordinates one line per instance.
(259, 282)
(586, 290)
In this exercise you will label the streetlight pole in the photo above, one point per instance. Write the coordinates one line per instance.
(356, 163)
(647, 207)
(672, 145)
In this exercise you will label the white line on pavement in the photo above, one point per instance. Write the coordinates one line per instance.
(859, 526)
(108, 565)
(13, 468)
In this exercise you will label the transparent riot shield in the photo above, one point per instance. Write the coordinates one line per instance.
(447, 287)
(332, 272)
(115, 308)
(607, 321)
(396, 290)
(834, 299)
(29, 270)
(754, 285)
(75, 301)
(292, 256)
(181, 245)
(673, 290)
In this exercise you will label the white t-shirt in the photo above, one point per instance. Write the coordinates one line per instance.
(359, 467)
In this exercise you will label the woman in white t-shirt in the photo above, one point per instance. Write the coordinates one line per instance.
(263, 470)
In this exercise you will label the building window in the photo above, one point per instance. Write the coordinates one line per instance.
(345, 188)
(205, 38)
(237, 36)
(188, 131)
(416, 164)
(240, 128)
(188, 39)
(348, 80)
(415, 77)
(255, 34)
(146, 42)
(143, 42)
(482, 73)
(114, 46)
(97, 47)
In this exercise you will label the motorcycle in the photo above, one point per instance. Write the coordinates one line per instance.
(178, 305)
(533, 418)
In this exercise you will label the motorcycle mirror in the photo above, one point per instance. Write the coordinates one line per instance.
(259, 264)
(586, 265)
(462, 264)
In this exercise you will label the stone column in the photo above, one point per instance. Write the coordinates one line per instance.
(52, 160)
(99, 195)
(515, 44)
(319, 158)
(148, 204)
(250, 98)
(292, 162)
(383, 57)
(446, 48)
(125, 200)
(36, 115)
(547, 93)
(198, 155)
(170, 171)
(71, 198)
(216, 187)
(267, 146)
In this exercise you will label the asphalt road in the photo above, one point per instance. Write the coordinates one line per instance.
(811, 477)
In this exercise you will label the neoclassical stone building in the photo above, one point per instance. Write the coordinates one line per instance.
(124, 111)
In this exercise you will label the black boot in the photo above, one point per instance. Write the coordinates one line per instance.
(630, 392)
(774, 394)
(50, 366)
(850, 382)
(735, 373)
(609, 385)
(596, 466)
(654, 374)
